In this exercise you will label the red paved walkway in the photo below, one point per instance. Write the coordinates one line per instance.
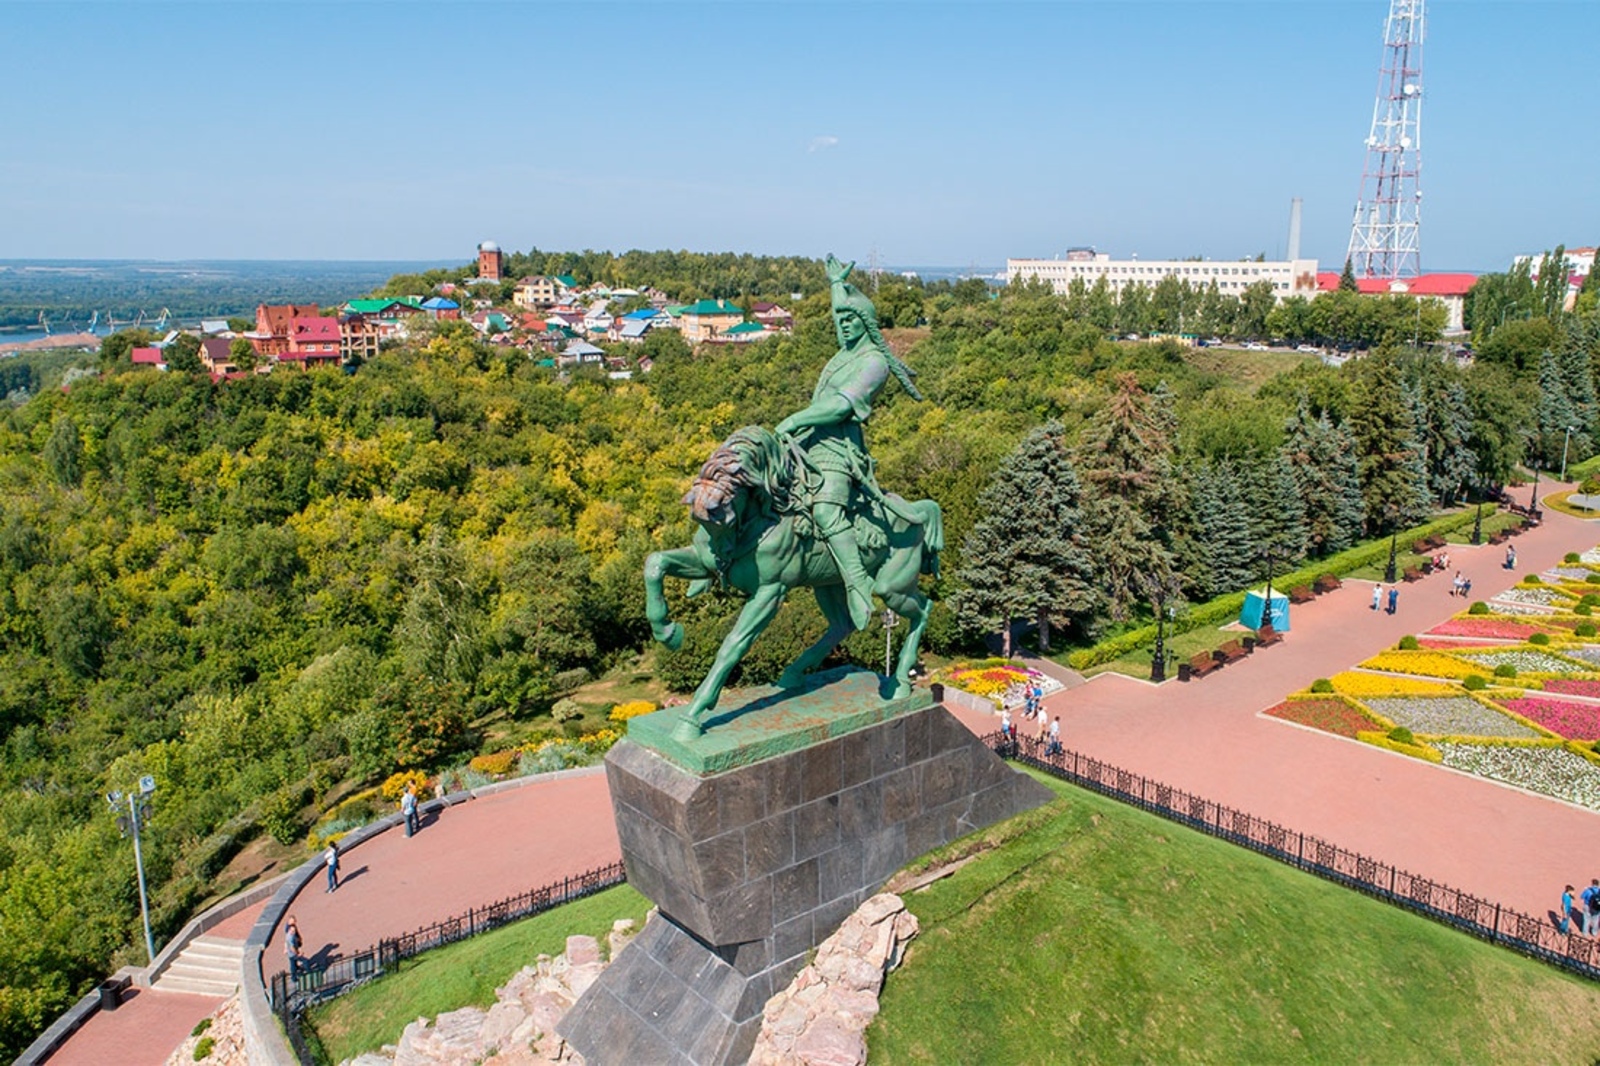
(1207, 736)
(142, 1032)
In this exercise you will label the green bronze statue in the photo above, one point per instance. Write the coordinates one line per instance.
(802, 507)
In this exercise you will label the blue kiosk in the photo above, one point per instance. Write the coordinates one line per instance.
(1255, 601)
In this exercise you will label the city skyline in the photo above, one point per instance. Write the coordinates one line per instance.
(927, 133)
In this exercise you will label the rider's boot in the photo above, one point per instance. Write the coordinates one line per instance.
(857, 585)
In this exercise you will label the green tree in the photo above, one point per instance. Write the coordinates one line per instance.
(1322, 460)
(1347, 277)
(1555, 415)
(63, 452)
(1389, 463)
(1025, 557)
(1499, 411)
(242, 353)
(1223, 530)
(183, 354)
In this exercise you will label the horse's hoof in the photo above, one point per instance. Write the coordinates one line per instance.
(791, 679)
(674, 637)
(688, 731)
(901, 690)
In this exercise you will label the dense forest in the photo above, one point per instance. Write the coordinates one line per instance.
(265, 591)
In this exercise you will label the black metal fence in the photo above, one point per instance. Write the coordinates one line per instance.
(1535, 936)
(316, 982)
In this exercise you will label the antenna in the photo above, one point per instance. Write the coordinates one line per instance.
(1385, 235)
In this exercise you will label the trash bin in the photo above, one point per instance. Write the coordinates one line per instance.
(110, 995)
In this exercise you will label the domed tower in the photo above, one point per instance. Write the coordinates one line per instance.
(489, 261)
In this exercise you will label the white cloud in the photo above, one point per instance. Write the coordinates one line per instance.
(822, 143)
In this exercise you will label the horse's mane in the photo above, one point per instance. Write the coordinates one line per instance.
(751, 458)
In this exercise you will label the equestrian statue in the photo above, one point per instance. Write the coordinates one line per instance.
(800, 506)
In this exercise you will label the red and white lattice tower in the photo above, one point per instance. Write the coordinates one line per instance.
(1386, 236)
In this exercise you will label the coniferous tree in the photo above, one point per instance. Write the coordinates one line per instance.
(1025, 557)
(1125, 461)
(1393, 480)
(1347, 277)
(1577, 374)
(1224, 533)
(1555, 413)
(1279, 513)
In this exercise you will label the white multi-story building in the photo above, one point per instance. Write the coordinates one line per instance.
(1288, 277)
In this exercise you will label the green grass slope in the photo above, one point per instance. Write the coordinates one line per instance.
(462, 974)
(1095, 933)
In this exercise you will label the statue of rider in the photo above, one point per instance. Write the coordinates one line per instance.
(829, 428)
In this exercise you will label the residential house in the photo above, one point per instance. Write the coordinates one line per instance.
(386, 317)
(704, 319)
(535, 294)
(597, 319)
(273, 323)
(580, 352)
(441, 309)
(215, 327)
(359, 338)
(148, 357)
(770, 315)
(313, 341)
(743, 333)
(216, 355)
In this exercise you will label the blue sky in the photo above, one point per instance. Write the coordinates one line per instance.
(930, 133)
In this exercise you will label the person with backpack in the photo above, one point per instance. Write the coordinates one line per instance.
(330, 859)
(1590, 910)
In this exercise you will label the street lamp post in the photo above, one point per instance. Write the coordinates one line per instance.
(1265, 628)
(1533, 498)
(1477, 522)
(1564, 445)
(138, 812)
(1388, 573)
(1158, 661)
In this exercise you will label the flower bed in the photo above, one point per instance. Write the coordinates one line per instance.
(1504, 607)
(1424, 663)
(1533, 662)
(1538, 596)
(1553, 771)
(1570, 719)
(1589, 653)
(1329, 715)
(1359, 685)
(1454, 716)
(1572, 686)
(1574, 573)
(1486, 626)
(988, 681)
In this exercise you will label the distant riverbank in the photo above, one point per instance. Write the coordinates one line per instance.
(33, 340)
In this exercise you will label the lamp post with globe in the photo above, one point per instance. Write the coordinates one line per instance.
(138, 813)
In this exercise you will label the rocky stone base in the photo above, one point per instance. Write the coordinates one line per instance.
(821, 1018)
(520, 1029)
(227, 1040)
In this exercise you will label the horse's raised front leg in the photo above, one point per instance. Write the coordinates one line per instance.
(758, 611)
(679, 562)
(836, 609)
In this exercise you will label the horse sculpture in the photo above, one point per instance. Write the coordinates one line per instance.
(755, 535)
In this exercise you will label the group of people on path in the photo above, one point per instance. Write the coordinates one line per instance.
(1393, 597)
(1585, 908)
(1033, 708)
(1461, 586)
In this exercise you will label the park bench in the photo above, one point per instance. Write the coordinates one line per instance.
(1326, 583)
(1301, 594)
(1498, 538)
(1266, 638)
(1199, 666)
(1411, 574)
(1230, 651)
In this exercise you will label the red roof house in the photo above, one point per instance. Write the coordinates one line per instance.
(313, 341)
(147, 357)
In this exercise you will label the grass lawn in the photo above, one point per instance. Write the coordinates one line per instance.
(1104, 934)
(463, 974)
(1249, 370)
(1180, 649)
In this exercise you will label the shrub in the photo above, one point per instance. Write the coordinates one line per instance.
(1571, 557)
(1408, 643)
(1583, 609)
(1590, 599)
(496, 763)
(1475, 683)
(1532, 579)
(395, 785)
(1478, 607)
(1401, 735)
(280, 814)
(1322, 684)
(566, 710)
(200, 1027)
(1505, 670)
(632, 709)
(203, 1049)
(1593, 579)
(1583, 629)
(1539, 638)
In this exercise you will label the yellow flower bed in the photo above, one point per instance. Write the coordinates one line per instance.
(1416, 751)
(1425, 663)
(990, 681)
(1359, 685)
(632, 709)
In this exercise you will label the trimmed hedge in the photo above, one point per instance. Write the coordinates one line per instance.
(1228, 606)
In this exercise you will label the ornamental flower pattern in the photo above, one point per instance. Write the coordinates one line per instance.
(1589, 653)
(1532, 662)
(1552, 771)
(1572, 686)
(1539, 597)
(1573, 720)
(1455, 716)
(1486, 626)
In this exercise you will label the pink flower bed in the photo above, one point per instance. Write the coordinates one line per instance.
(1568, 686)
(1486, 627)
(1575, 721)
(1447, 644)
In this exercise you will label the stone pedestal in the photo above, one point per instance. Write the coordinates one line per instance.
(814, 799)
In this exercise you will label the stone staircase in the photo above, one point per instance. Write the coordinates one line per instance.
(209, 966)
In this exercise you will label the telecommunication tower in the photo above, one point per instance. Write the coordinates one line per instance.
(1385, 238)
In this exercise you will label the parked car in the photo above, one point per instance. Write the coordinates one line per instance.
(1309, 349)
(1254, 346)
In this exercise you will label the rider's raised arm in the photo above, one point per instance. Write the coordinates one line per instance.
(826, 410)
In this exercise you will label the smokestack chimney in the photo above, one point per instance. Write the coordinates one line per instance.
(1294, 229)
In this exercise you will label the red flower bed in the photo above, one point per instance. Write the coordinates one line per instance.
(1500, 628)
(1569, 686)
(1330, 716)
(1575, 721)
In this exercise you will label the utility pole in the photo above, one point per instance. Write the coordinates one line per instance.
(138, 813)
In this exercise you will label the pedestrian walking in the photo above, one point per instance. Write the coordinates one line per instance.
(330, 859)
(408, 808)
(1590, 898)
(1565, 925)
(291, 946)
(1005, 722)
(1466, 587)
(1394, 598)
(1511, 556)
(1377, 596)
(1457, 585)
(1054, 747)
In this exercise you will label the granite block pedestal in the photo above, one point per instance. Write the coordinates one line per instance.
(759, 839)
